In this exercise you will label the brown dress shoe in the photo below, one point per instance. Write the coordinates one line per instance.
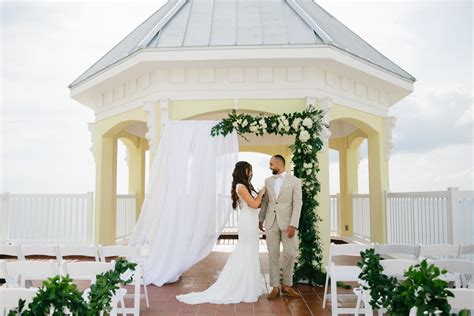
(290, 292)
(274, 293)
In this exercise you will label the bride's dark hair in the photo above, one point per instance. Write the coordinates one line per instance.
(240, 176)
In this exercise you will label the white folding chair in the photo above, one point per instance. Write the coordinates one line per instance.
(89, 251)
(341, 273)
(38, 250)
(463, 300)
(397, 267)
(3, 272)
(20, 271)
(459, 271)
(117, 299)
(133, 254)
(88, 271)
(439, 251)
(466, 251)
(9, 298)
(10, 250)
(85, 270)
(391, 268)
(398, 251)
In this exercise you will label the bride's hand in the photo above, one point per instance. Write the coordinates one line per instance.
(262, 191)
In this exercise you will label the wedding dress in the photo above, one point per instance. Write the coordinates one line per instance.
(239, 281)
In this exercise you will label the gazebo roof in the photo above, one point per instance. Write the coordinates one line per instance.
(187, 24)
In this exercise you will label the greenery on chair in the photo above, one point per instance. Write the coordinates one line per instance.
(422, 288)
(60, 293)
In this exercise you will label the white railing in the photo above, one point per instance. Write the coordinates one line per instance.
(361, 216)
(334, 207)
(46, 218)
(430, 217)
(126, 215)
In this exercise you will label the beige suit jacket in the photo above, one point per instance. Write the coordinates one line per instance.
(284, 208)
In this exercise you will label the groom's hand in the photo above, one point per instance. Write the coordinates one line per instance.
(260, 226)
(291, 231)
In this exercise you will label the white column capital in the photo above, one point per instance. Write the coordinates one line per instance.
(235, 104)
(150, 110)
(91, 127)
(389, 125)
(310, 101)
(325, 104)
(164, 107)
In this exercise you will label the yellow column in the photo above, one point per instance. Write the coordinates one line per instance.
(348, 182)
(106, 191)
(324, 203)
(136, 175)
(378, 184)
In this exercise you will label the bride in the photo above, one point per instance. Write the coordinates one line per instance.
(239, 281)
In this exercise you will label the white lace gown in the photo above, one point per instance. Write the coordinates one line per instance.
(239, 281)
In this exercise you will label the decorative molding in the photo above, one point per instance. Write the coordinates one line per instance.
(91, 128)
(389, 125)
(207, 75)
(265, 74)
(236, 74)
(146, 80)
(325, 104)
(295, 74)
(164, 107)
(150, 110)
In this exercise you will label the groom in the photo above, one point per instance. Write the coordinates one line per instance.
(281, 208)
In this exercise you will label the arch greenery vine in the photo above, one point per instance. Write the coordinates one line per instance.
(307, 127)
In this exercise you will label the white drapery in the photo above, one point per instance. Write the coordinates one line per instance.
(187, 199)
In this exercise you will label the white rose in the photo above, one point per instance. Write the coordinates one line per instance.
(235, 124)
(310, 165)
(308, 122)
(253, 128)
(304, 136)
(245, 123)
(296, 123)
(308, 172)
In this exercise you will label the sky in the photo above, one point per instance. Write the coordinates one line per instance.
(45, 45)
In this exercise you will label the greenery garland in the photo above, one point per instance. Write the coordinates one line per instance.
(60, 293)
(307, 126)
(422, 287)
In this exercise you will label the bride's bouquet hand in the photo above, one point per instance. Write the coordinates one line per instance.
(262, 191)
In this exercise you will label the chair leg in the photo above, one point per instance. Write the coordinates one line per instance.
(325, 290)
(359, 300)
(146, 294)
(334, 297)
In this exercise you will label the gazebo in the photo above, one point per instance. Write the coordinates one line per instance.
(201, 59)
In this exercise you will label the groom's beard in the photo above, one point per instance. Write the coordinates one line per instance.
(274, 171)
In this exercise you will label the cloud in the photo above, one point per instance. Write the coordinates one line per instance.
(433, 120)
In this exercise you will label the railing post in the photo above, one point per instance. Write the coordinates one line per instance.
(90, 218)
(5, 227)
(453, 215)
(338, 214)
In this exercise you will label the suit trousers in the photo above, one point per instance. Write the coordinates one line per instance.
(274, 236)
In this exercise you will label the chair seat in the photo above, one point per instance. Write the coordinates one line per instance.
(344, 273)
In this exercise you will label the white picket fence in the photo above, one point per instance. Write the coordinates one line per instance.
(126, 216)
(46, 218)
(431, 217)
(412, 217)
(415, 217)
(58, 218)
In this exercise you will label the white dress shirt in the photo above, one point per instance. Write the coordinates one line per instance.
(278, 181)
